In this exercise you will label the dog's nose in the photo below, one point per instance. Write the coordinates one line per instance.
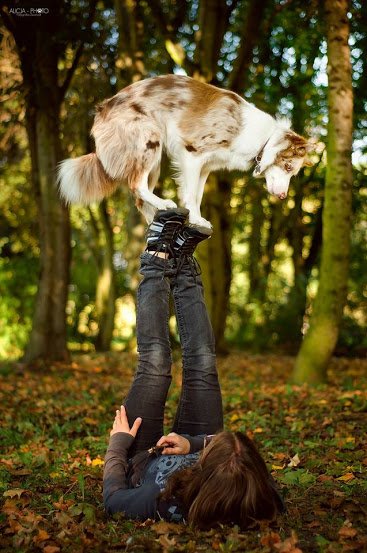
(282, 196)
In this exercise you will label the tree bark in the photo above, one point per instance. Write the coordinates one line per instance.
(106, 283)
(255, 193)
(48, 336)
(130, 64)
(40, 43)
(255, 14)
(215, 257)
(319, 343)
(47, 340)
(213, 23)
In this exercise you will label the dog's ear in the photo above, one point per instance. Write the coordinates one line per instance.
(307, 162)
(268, 158)
(315, 147)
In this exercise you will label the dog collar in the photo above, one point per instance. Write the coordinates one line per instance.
(258, 158)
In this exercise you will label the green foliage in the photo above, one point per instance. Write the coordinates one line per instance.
(286, 76)
(18, 285)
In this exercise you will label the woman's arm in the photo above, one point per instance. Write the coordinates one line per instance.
(116, 464)
(137, 503)
(115, 467)
(181, 444)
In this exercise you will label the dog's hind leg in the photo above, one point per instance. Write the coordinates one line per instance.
(153, 177)
(141, 190)
(191, 187)
(146, 209)
(200, 189)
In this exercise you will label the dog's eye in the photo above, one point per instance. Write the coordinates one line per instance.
(288, 167)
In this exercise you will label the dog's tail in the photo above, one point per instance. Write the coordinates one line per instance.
(84, 180)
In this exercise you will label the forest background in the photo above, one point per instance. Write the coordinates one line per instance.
(261, 268)
(284, 281)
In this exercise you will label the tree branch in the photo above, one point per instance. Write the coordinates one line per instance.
(70, 72)
(10, 25)
(159, 16)
(169, 29)
(96, 250)
(250, 33)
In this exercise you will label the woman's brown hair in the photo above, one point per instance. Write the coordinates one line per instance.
(229, 484)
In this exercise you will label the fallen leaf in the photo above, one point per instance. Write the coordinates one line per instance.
(51, 549)
(288, 545)
(346, 532)
(166, 543)
(16, 492)
(163, 527)
(97, 462)
(314, 524)
(270, 539)
(346, 477)
(295, 461)
(89, 420)
(41, 536)
(280, 456)
(324, 478)
(7, 462)
(335, 502)
(20, 472)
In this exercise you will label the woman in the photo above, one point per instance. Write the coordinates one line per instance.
(183, 477)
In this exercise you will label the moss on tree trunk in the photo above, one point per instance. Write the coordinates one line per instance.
(319, 343)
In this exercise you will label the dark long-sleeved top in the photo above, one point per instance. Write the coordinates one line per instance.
(141, 502)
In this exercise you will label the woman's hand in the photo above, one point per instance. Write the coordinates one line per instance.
(174, 444)
(121, 424)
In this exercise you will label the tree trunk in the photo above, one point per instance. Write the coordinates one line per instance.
(213, 20)
(106, 284)
(214, 255)
(250, 35)
(255, 193)
(319, 343)
(48, 336)
(41, 43)
(130, 65)
(47, 340)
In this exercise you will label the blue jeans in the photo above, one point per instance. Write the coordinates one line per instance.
(200, 406)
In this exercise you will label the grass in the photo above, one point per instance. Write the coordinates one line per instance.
(54, 427)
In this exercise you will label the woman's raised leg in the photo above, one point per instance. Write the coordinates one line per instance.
(200, 407)
(148, 392)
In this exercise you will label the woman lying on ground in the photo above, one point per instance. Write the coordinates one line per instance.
(198, 473)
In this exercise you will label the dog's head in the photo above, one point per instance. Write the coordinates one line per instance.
(283, 156)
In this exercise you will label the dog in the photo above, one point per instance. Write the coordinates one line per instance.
(202, 129)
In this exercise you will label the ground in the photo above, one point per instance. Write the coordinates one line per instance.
(54, 428)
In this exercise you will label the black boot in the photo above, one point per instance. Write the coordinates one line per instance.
(185, 244)
(165, 226)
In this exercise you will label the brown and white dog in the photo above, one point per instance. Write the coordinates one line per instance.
(201, 127)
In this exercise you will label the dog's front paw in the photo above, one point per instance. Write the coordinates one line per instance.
(199, 221)
(166, 204)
